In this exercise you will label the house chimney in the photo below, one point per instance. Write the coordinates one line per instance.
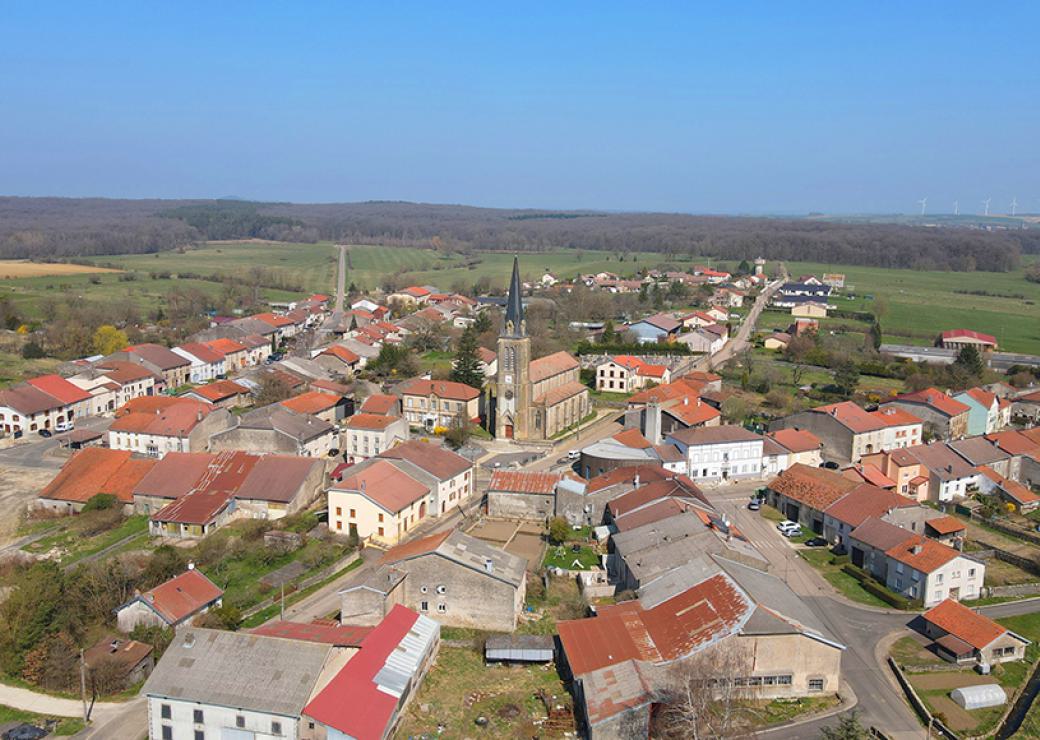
(686, 401)
(916, 549)
(635, 481)
(198, 415)
(362, 486)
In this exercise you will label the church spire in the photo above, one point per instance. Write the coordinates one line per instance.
(514, 325)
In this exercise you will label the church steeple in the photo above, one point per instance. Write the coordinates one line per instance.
(514, 324)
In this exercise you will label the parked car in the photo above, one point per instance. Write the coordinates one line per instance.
(754, 505)
(787, 524)
(64, 426)
(830, 465)
(573, 454)
(793, 532)
(45, 433)
(816, 542)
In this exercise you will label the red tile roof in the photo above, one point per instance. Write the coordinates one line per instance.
(384, 484)
(817, 488)
(865, 501)
(935, 399)
(219, 390)
(1012, 442)
(517, 481)
(956, 334)
(123, 372)
(692, 412)
(560, 394)
(963, 623)
(202, 351)
(97, 470)
(226, 346)
(370, 422)
(439, 462)
(380, 403)
(440, 388)
(342, 353)
(421, 546)
(943, 525)
(160, 416)
(57, 386)
(1014, 489)
(712, 609)
(28, 400)
(312, 402)
(893, 416)
(632, 438)
(982, 397)
(356, 682)
(851, 416)
(550, 365)
(796, 440)
(182, 596)
(922, 553)
(678, 487)
(655, 512)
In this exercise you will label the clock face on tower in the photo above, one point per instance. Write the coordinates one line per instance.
(509, 395)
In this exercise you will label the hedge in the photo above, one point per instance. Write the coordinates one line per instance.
(877, 589)
(591, 348)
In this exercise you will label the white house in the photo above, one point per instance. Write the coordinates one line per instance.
(720, 452)
(206, 363)
(366, 435)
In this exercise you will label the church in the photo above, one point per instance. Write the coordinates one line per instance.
(535, 399)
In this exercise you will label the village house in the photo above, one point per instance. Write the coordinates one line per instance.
(47, 402)
(156, 425)
(517, 494)
(985, 412)
(170, 366)
(225, 394)
(1011, 492)
(656, 328)
(949, 475)
(619, 659)
(719, 453)
(863, 502)
(174, 603)
(409, 298)
(913, 565)
(943, 417)
(433, 404)
(328, 407)
(625, 374)
(276, 428)
(848, 432)
(366, 435)
(206, 363)
(802, 446)
(456, 579)
(909, 476)
(118, 662)
(386, 496)
(381, 403)
(235, 354)
(111, 384)
(339, 359)
(963, 635)
(777, 341)
(979, 451)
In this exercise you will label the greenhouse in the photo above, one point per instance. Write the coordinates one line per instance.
(979, 697)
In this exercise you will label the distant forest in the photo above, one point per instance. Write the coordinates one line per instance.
(60, 228)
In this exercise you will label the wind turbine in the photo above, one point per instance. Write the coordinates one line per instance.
(956, 208)
(986, 203)
(1014, 205)
(923, 202)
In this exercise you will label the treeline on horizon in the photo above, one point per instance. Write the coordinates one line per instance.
(62, 228)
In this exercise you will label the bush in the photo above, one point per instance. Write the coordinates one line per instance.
(839, 559)
(559, 530)
(877, 589)
(100, 502)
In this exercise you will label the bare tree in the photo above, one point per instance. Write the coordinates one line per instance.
(705, 694)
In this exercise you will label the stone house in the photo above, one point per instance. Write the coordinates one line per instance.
(156, 425)
(943, 416)
(522, 495)
(963, 635)
(366, 435)
(454, 578)
(171, 604)
(430, 404)
(848, 432)
(174, 369)
(275, 428)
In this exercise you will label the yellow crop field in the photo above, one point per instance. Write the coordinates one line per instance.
(10, 269)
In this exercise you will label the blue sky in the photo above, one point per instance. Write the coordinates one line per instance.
(723, 108)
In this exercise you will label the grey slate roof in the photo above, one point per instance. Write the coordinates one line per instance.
(239, 670)
(301, 427)
(978, 451)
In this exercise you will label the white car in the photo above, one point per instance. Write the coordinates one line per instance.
(573, 454)
(788, 525)
(64, 426)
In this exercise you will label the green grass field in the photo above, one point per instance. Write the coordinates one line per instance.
(312, 266)
(921, 304)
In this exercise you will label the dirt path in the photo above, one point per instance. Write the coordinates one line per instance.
(18, 486)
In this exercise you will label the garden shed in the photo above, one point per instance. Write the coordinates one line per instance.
(979, 697)
(519, 649)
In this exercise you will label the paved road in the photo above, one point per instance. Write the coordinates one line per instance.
(740, 341)
(33, 451)
(860, 628)
(1011, 608)
(321, 334)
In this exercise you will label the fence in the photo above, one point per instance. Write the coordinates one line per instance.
(1027, 564)
(918, 705)
(1019, 532)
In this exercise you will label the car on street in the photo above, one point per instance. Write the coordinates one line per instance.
(45, 433)
(754, 505)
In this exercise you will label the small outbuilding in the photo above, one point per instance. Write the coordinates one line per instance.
(979, 697)
(519, 649)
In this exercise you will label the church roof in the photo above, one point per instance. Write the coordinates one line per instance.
(514, 304)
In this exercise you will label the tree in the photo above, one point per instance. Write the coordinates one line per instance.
(100, 502)
(108, 339)
(874, 334)
(734, 409)
(273, 389)
(704, 694)
(797, 373)
(31, 350)
(744, 268)
(559, 530)
(482, 322)
(394, 359)
(466, 366)
(458, 432)
(969, 360)
(848, 727)
(610, 335)
(846, 377)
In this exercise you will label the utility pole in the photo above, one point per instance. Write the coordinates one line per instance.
(282, 603)
(83, 684)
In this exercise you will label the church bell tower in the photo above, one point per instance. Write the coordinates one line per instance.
(513, 384)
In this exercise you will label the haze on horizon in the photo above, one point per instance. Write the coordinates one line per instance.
(752, 108)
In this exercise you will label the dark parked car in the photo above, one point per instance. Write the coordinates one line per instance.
(333, 452)
(44, 433)
(816, 542)
(830, 465)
